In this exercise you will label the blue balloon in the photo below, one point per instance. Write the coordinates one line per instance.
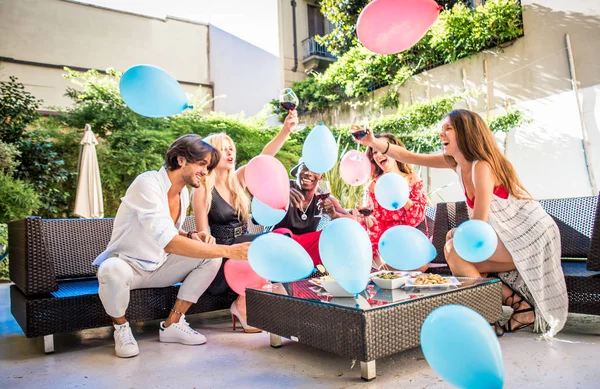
(406, 248)
(346, 253)
(150, 91)
(320, 150)
(475, 241)
(391, 191)
(460, 345)
(279, 258)
(265, 215)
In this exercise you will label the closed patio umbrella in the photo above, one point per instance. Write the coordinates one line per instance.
(88, 199)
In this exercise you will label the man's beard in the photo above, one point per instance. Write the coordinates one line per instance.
(189, 180)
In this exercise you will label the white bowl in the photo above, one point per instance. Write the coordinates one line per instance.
(333, 288)
(386, 283)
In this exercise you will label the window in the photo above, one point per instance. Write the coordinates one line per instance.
(316, 21)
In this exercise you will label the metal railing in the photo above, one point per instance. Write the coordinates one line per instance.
(310, 47)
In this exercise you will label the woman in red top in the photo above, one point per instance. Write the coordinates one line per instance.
(413, 212)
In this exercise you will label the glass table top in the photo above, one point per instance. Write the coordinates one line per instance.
(372, 296)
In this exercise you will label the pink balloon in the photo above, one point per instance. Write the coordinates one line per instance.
(239, 276)
(268, 181)
(392, 26)
(355, 168)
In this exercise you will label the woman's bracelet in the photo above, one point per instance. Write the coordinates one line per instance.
(387, 148)
(190, 233)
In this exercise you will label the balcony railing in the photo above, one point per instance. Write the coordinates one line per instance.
(310, 47)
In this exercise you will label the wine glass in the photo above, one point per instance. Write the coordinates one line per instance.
(365, 207)
(363, 122)
(289, 101)
(323, 191)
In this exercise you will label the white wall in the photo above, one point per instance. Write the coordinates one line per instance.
(247, 76)
(57, 32)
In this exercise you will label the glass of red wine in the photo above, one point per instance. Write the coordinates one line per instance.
(365, 207)
(289, 101)
(363, 123)
(323, 191)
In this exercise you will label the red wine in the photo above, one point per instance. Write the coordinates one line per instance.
(322, 196)
(360, 134)
(365, 211)
(288, 106)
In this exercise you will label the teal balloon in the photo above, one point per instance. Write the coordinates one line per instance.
(150, 91)
(391, 191)
(406, 248)
(460, 345)
(320, 150)
(265, 215)
(279, 258)
(475, 241)
(346, 253)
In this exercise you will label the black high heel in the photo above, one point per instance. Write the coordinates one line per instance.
(515, 305)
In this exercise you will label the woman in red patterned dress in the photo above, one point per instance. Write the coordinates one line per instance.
(413, 212)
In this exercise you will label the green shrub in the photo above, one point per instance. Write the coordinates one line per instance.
(18, 108)
(3, 247)
(8, 158)
(17, 199)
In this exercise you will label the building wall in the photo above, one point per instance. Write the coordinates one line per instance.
(67, 33)
(246, 77)
(286, 39)
(533, 75)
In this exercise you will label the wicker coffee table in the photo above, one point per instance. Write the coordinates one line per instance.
(380, 323)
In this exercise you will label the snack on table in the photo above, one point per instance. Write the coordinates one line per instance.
(388, 276)
(430, 279)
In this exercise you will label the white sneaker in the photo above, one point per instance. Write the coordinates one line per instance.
(125, 344)
(180, 332)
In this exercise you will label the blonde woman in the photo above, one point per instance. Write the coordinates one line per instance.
(222, 206)
(528, 238)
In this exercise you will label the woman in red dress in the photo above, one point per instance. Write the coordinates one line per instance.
(381, 219)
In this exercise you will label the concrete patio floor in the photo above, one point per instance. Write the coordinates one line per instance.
(237, 360)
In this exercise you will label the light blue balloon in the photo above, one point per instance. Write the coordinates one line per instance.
(150, 91)
(475, 241)
(320, 150)
(279, 258)
(346, 253)
(391, 191)
(406, 248)
(265, 215)
(460, 345)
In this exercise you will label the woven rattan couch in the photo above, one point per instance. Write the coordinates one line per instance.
(55, 287)
(578, 220)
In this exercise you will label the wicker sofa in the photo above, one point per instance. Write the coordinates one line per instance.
(55, 287)
(578, 220)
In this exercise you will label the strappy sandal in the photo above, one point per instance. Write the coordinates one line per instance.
(515, 305)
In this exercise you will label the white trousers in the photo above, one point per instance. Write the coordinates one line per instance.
(117, 278)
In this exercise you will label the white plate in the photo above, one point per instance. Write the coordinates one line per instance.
(331, 287)
(452, 282)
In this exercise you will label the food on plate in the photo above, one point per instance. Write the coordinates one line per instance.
(430, 279)
(388, 275)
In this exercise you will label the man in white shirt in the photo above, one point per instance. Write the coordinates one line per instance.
(148, 248)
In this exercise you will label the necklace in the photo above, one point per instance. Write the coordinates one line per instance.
(304, 217)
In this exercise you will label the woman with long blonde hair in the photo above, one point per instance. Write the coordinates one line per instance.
(528, 238)
(222, 206)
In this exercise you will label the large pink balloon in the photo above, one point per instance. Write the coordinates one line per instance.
(355, 168)
(392, 26)
(268, 181)
(239, 276)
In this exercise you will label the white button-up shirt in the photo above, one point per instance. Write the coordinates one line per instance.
(143, 225)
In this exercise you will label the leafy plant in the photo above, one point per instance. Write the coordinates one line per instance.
(508, 121)
(3, 256)
(17, 199)
(18, 108)
(9, 155)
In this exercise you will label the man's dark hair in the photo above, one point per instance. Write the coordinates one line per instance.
(193, 149)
